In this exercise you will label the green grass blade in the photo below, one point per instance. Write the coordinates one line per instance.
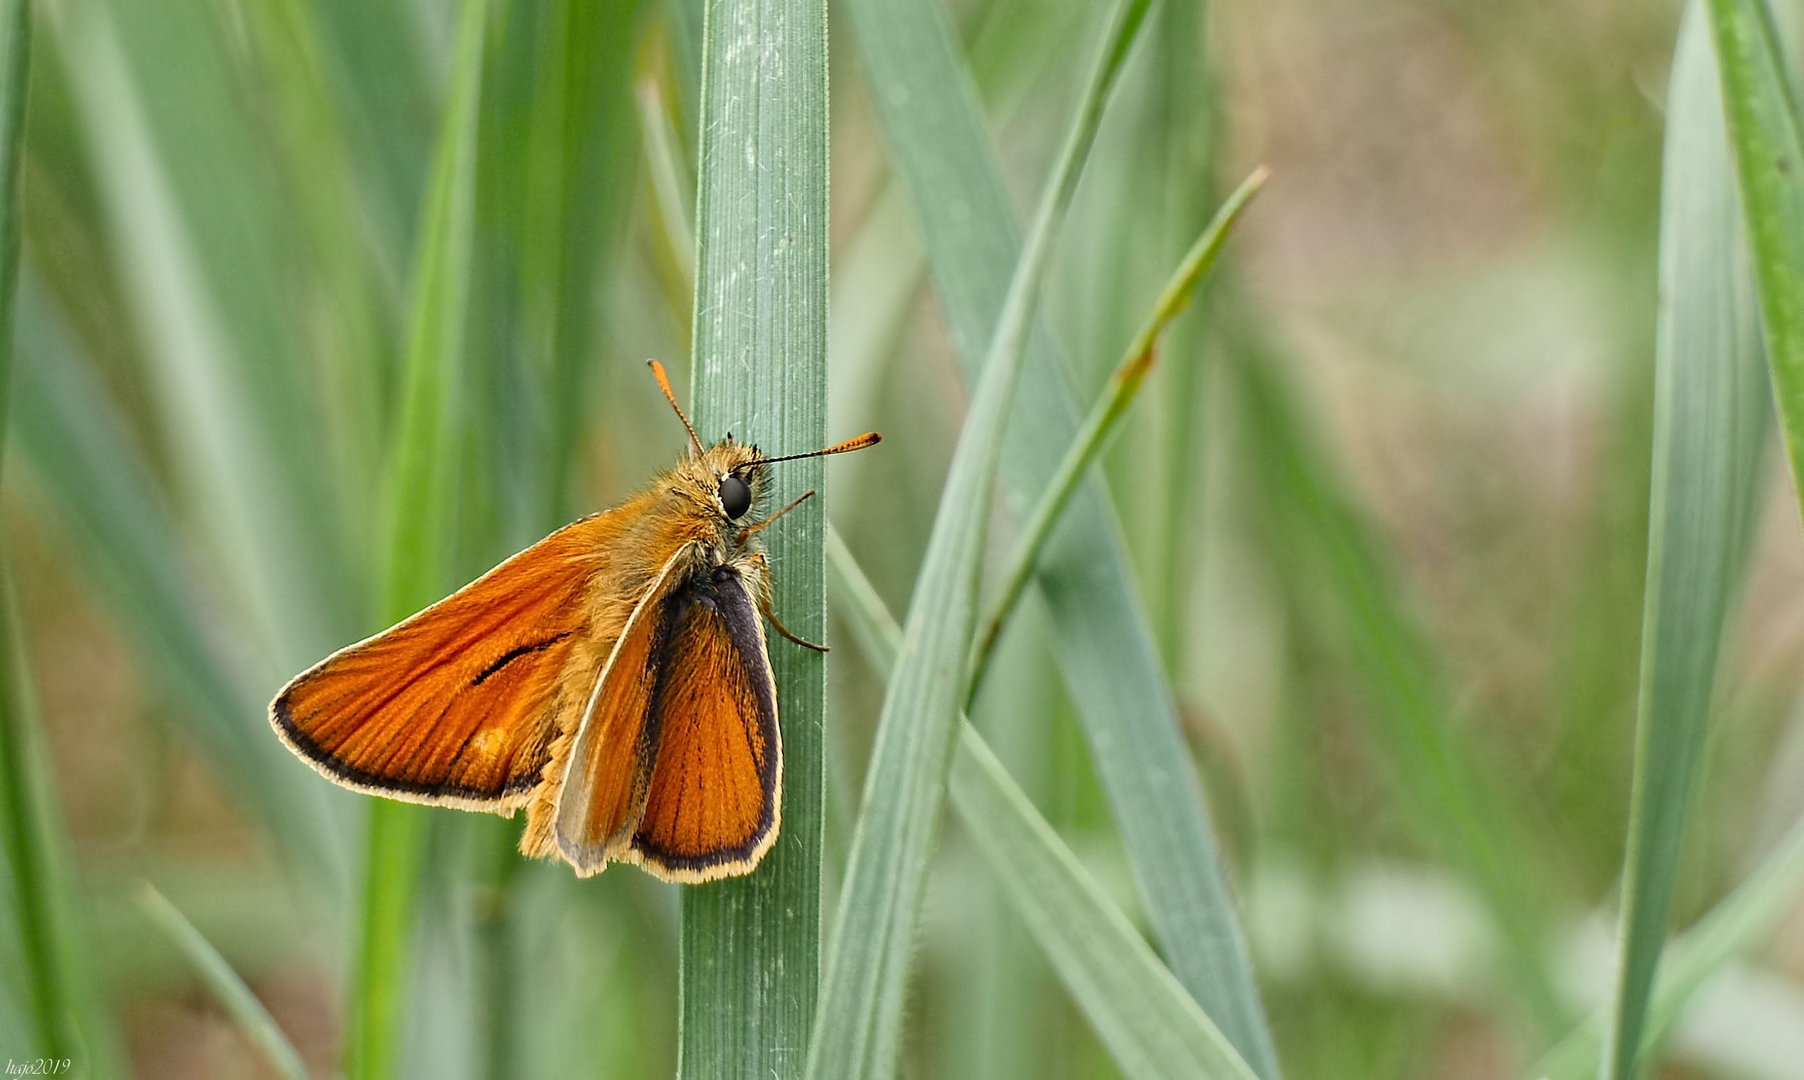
(1730, 931)
(1151, 1025)
(1767, 134)
(669, 190)
(751, 946)
(15, 75)
(239, 1002)
(1149, 1022)
(421, 498)
(26, 824)
(1123, 386)
(859, 1031)
(69, 1014)
(1347, 578)
(26, 833)
(1709, 420)
(1106, 650)
(594, 197)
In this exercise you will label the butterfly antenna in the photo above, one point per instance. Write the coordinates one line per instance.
(869, 438)
(657, 371)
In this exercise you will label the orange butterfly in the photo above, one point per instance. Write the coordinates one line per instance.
(612, 679)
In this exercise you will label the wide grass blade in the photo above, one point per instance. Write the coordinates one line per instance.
(937, 145)
(751, 946)
(1767, 134)
(239, 1002)
(1149, 1022)
(421, 498)
(859, 1031)
(1093, 437)
(1709, 420)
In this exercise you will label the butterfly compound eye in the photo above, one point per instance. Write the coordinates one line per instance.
(735, 497)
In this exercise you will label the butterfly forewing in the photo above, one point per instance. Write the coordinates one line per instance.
(609, 764)
(458, 705)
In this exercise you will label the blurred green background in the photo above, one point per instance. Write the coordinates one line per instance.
(1393, 466)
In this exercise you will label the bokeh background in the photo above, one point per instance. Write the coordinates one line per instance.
(1393, 465)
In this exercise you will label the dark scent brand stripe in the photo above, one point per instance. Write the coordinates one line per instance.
(516, 653)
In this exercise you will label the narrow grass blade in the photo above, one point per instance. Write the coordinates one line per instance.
(593, 198)
(70, 1018)
(1347, 578)
(859, 1031)
(15, 78)
(418, 556)
(1731, 930)
(935, 135)
(1123, 386)
(237, 999)
(25, 827)
(667, 182)
(751, 946)
(1150, 1023)
(1709, 419)
(27, 838)
(1766, 132)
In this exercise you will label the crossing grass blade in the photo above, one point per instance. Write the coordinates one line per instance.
(1710, 407)
(1150, 1023)
(1093, 437)
(1106, 650)
(418, 549)
(751, 946)
(238, 1000)
(859, 1031)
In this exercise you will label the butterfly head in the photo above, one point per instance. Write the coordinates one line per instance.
(726, 482)
(730, 479)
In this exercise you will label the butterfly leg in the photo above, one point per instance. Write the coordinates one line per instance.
(764, 606)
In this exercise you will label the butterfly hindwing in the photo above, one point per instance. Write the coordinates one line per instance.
(457, 705)
(701, 798)
(713, 804)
